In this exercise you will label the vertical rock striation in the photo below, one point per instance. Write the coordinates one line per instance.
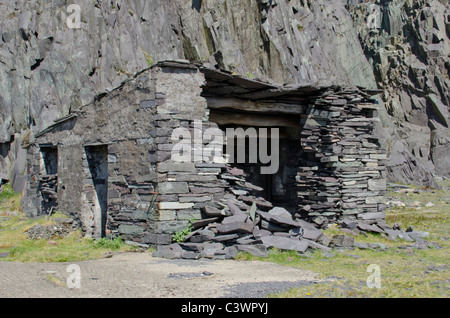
(48, 69)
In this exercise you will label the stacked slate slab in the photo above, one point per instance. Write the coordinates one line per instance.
(48, 186)
(343, 168)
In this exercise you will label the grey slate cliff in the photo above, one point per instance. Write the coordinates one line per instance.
(48, 69)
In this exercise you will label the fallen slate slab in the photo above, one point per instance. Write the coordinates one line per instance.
(311, 234)
(203, 222)
(231, 252)
(241, 227)
(258, 233)
(233, 208)
(343, 241)
(279, 219)
(190, 255)
(392, 234)
(421, 234)
(201, 236)
(272, 227)
(194, 247)
(260, 202)
(297, 231)
(212, 211)
(225, 237)
(318, 246)
(324, 240)
(257, 250)
(369, 228)
(281, 212)
(285, 243)
(405, 237)
(362, 246)
(305, 225)
(168, 251)
(235, 218)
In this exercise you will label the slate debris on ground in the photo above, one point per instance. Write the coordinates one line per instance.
(61, 228)
(249, 223)
(243, 221)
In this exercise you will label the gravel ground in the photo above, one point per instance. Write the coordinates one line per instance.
(141, 275)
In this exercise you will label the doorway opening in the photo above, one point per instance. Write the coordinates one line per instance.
(48, 180)
(279, 187)
(96, 188)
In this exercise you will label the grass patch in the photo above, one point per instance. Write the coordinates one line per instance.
(9, 200)
(72, 248)
(405, 272)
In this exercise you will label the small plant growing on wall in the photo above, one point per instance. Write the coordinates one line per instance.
(179, 236)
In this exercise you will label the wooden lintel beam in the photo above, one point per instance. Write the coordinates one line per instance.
(253, 120)
(254, 106)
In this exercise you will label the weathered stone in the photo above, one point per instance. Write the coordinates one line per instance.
(157, 239)
(233, 208)
(134, 230)
(373, 216)
(171, 251)
(284, 243)
(272, 227)
(190, 255)
(343, 241)
(147, 103)
(257, 250)
(225, 237)
(311, 234)
(318, 246)
(212, 211)
(204, 222)
(281, 219)
(235, 227)
(377, 184)
(235, 218)
(368, 227)
(231, 252)
(200, 236)
(174, 205)
(171, 166)
(172, 187)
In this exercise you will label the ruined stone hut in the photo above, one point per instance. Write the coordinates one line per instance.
(108, 164)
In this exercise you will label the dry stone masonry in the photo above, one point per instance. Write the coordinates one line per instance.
(343, 169)
(110, 166)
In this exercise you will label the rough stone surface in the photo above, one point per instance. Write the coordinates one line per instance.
(49, 69)
(284, 243)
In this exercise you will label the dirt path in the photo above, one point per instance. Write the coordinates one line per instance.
(141, 275)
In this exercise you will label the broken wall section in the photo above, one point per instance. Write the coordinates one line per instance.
(343, 173)
(121, 124)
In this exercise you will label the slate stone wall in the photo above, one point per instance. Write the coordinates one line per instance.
(343, 172)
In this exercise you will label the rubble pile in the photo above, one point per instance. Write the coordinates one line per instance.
(243, 221)
(61, 228)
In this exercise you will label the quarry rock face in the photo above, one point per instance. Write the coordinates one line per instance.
(55, 58)
(407, 43)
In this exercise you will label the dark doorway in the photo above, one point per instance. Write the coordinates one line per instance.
(97, 160)
(50, 158)
(279, 187)
(48, 181)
